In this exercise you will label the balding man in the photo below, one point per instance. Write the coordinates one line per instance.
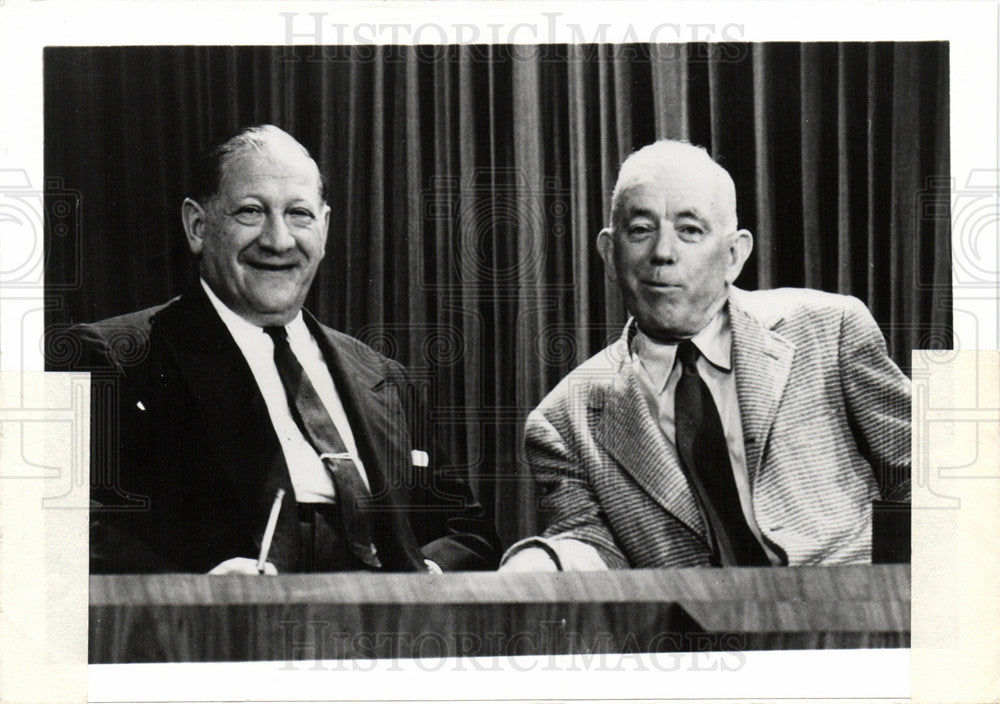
(724, 427)
(231, 392)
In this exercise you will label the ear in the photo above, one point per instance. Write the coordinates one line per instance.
(325, 226)
(606, 248)
(194, 219)
(739, 251)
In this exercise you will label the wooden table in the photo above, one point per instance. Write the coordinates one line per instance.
(182, 617)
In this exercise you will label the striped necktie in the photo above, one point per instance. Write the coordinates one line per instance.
(317, 427)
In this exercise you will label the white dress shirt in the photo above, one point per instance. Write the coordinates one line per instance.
(658, 376)
(310, 480)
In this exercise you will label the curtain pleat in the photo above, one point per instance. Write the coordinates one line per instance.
(811, 133)
(467, 185)
(763, 262)
(572, 256)
(845, 185)
(908, 146)
(669, 81)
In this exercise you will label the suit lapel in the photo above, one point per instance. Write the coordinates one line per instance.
(378, 424)
(630, 434)
(762, 360)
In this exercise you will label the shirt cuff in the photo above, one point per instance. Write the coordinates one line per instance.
(534, 542)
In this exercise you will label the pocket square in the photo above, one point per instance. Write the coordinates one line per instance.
(420, 458)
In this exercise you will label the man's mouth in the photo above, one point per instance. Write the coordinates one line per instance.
(658, 284)
(272, 266)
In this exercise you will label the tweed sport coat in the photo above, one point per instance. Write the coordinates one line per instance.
(826, 423)
(186, 463)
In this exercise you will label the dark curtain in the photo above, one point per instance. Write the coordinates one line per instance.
(468, 183)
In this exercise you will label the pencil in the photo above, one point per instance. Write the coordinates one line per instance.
(272, 522)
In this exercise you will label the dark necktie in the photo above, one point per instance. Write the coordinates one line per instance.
(704, 454)
(317, 427)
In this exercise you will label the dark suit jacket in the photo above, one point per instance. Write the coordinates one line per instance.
(185, 462)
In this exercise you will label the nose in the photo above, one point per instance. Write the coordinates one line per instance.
(664, 247)
(275, 235)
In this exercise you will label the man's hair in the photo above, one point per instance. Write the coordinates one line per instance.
(659, 155)
(259, 138)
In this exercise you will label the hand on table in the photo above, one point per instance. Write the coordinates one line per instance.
(242, 565)
(530, 560)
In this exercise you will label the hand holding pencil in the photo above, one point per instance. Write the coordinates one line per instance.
(244, 565)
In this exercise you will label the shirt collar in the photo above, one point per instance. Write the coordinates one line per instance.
(714, 341)
(242, 329)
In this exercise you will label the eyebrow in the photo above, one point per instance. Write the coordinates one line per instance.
(691, 213)
(640, 212)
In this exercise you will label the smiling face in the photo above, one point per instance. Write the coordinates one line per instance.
(673, 247)
(261, 237)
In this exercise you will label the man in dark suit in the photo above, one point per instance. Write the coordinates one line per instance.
(724, 427)
(214, 401)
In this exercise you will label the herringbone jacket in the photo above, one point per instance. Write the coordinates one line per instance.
(826, 423)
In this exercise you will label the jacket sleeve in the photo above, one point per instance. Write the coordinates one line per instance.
(877, 397)
(459, 533)
(453, 528)
(470, 543)
(566, 495)
(118, 520)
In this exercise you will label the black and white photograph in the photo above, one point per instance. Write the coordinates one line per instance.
(608, 351)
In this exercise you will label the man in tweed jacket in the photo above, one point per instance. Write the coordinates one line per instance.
(816, 417)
